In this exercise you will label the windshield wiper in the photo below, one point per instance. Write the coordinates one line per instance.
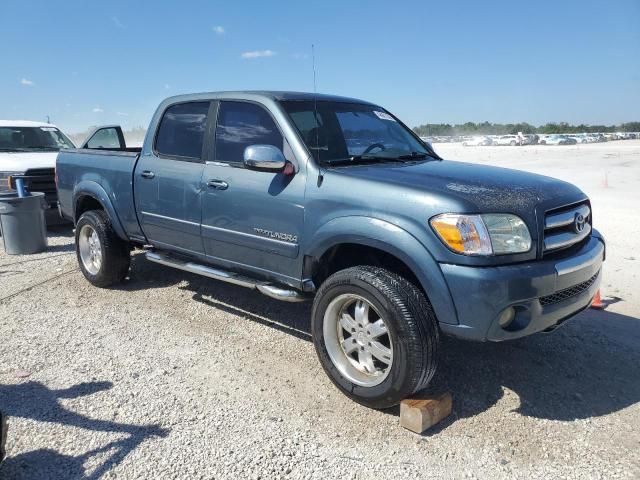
(418, 155)
(412, 155)
(360, 159)
(40, 147)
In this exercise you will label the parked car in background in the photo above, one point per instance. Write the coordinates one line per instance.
(507, 140)
(479, 141)
(394, 245)
(28, 150)
(557, 140)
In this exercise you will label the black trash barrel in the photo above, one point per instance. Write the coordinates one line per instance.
(22, 223)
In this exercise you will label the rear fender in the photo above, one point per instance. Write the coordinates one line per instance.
(395, 241)
(95, 191)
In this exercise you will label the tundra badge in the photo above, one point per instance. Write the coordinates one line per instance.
(287, 237)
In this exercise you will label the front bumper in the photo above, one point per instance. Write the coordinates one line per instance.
(544, 293)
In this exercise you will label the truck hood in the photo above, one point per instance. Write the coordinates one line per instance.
(22, 161)
(475, 188)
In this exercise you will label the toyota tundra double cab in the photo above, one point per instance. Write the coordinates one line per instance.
(334, 200)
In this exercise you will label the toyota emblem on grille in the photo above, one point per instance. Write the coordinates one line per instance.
(579, 223)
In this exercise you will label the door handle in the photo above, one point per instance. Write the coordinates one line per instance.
(218, 184)
(147, 174)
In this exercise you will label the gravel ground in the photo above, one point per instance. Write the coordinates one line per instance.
(171, 375)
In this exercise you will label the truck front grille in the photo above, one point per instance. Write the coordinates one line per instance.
(40, 180)
(568, 292)
(566, 226)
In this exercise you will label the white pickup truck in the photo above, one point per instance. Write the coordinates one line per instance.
(29, 150)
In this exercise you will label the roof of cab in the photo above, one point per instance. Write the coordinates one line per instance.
(265, 94)
(24, 123)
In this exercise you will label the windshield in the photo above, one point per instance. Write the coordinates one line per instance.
(25, 139)
(340, 131)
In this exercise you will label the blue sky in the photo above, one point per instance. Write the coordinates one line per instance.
(88, 62)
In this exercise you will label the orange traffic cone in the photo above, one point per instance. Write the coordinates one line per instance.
(597, 301)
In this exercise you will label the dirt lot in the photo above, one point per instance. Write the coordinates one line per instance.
(176, 376)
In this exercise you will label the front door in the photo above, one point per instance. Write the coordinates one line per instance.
(168, 180)
(251, 220)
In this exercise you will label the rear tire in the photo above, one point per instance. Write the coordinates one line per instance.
(386, 354)
(104, 258)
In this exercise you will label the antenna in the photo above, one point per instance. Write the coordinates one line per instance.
(313, 61)
(315, 109)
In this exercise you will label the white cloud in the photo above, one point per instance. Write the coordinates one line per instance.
(218, 30)
(98, 110)
(258, 54)
(116, 21)
(27, 82)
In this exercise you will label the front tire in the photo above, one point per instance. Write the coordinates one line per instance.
(104, 258)
(375, 334)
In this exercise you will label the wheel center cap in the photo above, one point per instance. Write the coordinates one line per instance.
(361, 338)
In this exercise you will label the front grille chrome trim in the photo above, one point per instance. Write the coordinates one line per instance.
(565, 239)
(560, 229)
(563, 219)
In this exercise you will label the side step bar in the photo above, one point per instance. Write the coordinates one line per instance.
(268, 289)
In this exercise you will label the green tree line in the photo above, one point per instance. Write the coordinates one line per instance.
(487, 128)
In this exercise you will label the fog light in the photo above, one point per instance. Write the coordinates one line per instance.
(506, 317)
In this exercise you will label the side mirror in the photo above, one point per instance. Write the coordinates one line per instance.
(264, 157)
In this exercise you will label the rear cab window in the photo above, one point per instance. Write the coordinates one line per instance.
(181, 131)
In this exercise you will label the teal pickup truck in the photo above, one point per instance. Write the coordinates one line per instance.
(315, 197)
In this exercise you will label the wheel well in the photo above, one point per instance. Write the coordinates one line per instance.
(86, 203)
(347, 255)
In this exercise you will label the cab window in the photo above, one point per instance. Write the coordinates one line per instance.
(241, 124)
(105, 138)
(181, 131)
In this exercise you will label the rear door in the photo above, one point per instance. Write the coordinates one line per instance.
(167, 180)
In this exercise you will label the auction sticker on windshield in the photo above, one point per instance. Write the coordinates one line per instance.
(47, 129)
(384, 116)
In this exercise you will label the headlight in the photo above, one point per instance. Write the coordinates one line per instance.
(490, 234)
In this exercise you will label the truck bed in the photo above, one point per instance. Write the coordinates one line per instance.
(107, 173)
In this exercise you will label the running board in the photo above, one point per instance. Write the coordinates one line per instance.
(268, 289)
